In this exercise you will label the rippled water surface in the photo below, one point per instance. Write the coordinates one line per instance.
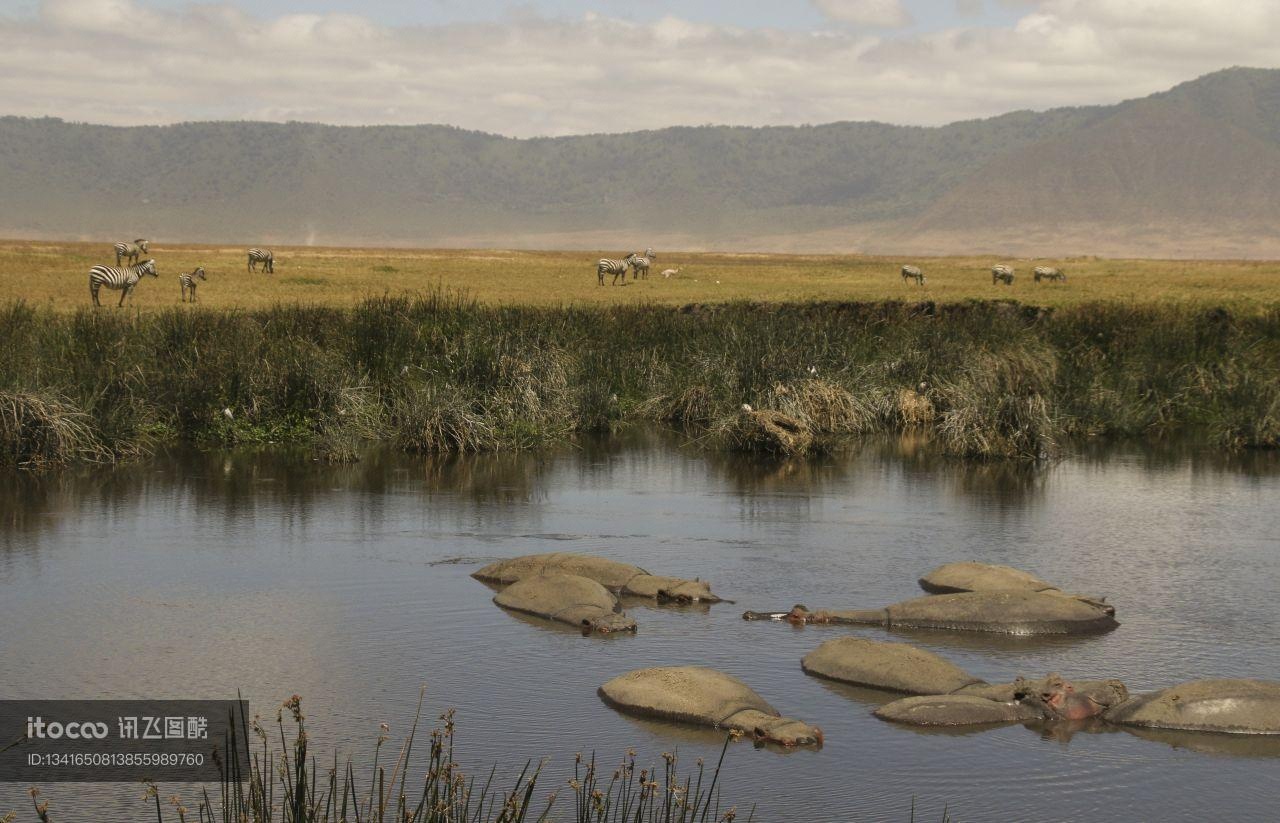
(197, 575)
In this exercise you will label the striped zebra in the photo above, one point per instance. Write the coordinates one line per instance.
(188, 283)
(263, 256)
(618, 268)
(913, 273)
(119, 279)
(1049, 273)
(640, 262)
(1002, 274)
(131, 251)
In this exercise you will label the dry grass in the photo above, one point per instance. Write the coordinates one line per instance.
(57, 274)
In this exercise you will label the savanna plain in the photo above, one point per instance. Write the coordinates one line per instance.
(56, 274)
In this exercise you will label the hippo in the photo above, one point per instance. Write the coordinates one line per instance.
(955, 710)
(620, 577)
(894, 667)
(1225, 706)
(954, 578)
(567, 598)
(705, 697)
(899, 667)
(1008, 612)
(1023, 701)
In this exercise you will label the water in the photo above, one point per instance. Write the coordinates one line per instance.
(197, 575)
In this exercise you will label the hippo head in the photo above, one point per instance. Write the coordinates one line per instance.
(781, 731)
(1059, 699)
(607, 623)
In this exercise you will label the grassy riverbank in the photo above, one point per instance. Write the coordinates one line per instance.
(439, 373)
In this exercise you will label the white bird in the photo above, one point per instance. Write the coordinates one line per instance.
(227, 414)
(813, 371)
(746, 408)
(670, 272)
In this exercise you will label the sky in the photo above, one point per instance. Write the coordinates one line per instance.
(554, 67)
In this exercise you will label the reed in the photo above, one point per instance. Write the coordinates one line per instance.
(439, 372)
(288, 783)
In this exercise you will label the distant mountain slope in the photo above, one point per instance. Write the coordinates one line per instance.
(1199, 162)
(1206, 155)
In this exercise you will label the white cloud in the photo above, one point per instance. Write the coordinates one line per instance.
(120, 62)
(887, 14)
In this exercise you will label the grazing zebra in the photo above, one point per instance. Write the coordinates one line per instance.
(188, 281)
(119, 279)
(912, 273)
(640, 262)
(131, 251)
(1002, 274)
(1050, 273)
(615, 267)
(263, 256)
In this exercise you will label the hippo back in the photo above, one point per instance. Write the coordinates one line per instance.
(895, 667)
(608, 573)
(1012, 612)
(954, 710)
(563, 597)
(1230, 706)
(980, 577)
(693, 694)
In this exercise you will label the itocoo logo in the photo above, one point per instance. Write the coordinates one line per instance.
(38, 729)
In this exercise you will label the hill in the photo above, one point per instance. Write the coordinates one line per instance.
(1188, 172)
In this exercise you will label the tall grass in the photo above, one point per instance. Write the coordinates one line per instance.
(287, 783)
(441, 373)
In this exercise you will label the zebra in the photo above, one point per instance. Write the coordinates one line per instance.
(1002, 274)
(114, 277)
(615, 267)
(188, 281)
(1050, 273)
(913, 273)
(640, 262)
(131, 251)
(263, 256)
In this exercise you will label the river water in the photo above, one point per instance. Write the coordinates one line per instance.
(197, 575)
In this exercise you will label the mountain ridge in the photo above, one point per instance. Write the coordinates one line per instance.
(1186, 172)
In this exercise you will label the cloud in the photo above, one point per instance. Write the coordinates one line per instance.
(123, 62)
(888, 14)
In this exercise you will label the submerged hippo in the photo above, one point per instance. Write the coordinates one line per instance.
(1009, 612)
(1228, 706)
(954, 578)
(955, 710)
(567, 598)
(908, 670)
(895, 667)
(1024, 701)
(705, 697)
(619, 577)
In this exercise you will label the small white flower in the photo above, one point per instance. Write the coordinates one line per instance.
(227, 414)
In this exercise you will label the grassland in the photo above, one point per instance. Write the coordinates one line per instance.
(56, 275)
